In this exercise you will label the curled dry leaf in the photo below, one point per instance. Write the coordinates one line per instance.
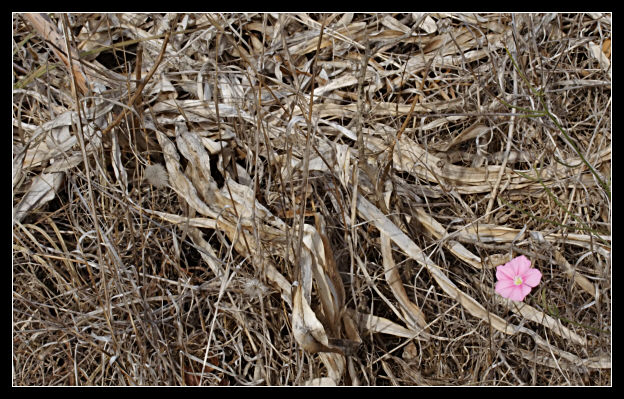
(414, 315)
(42, 190)
(307, 329)
(118, 168)
(48, 31)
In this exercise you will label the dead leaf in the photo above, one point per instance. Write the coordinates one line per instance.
(307, 329)
(48, 32)
(606, 48)
(42, 190)
(414, 315)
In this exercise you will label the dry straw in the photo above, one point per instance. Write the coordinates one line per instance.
(338, 203)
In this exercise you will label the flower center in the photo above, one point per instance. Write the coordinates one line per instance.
(518, 280)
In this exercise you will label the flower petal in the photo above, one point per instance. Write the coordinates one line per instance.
(519, 292)
(525, 290)
(521, 264)
(531, 277)
(506, 291)
(505, 272)
(513, 265)
(503, 285)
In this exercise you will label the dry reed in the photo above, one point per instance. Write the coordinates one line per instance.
(175, 174)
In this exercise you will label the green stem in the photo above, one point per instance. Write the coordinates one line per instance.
(553, 311)
(546, 112)
(563, 226)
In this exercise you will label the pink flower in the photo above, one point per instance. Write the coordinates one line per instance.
(516, 278)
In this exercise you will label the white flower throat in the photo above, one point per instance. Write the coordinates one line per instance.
(517, 280)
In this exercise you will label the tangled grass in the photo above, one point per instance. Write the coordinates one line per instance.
(175, 174)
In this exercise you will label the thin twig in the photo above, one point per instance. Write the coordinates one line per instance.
(140, 86)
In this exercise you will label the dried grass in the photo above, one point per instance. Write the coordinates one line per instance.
(175, 174)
